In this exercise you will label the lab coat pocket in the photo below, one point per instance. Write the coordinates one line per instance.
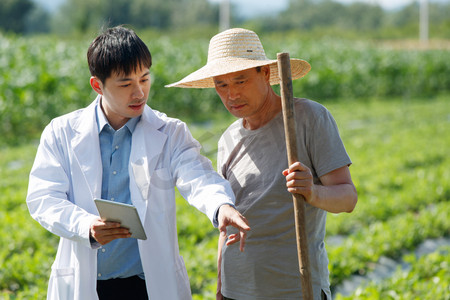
(62, 283)
(161, 189)
(139, 170)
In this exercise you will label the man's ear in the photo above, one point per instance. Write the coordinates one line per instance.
(97, 85)
(266, 71)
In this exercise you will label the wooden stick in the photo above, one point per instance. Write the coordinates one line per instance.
(287, 101)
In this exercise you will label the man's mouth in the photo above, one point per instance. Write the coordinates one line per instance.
(237, 107)
(137, 106)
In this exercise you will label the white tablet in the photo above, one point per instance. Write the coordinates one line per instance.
(126, 214)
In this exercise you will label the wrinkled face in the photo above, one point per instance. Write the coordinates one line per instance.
(244, 93)
(123, 96)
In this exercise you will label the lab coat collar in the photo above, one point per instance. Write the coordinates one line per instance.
(86, 148)
(147, 145)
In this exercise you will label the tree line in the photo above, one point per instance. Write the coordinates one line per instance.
(81, 16)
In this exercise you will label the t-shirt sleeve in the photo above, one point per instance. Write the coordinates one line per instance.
(325, 145)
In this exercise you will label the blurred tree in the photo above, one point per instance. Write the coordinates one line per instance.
(84, 15)
(152, 13)
(37, 21)
(13, 14)
(409, 14)
(438, 13)
(407, 19)
(363, 16)
(198, 12)
(307, 15)
(78, 16)
(116, 12)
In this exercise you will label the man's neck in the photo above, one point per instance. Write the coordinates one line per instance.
(270, 111)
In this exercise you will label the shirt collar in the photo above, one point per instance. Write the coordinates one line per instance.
(102, 121)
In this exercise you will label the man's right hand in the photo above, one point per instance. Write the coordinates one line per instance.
(105, 231)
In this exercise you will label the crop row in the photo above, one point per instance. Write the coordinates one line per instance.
(27, 249)
(427, 278)
(400, 158)
(390, 238)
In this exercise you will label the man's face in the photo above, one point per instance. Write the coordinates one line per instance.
(123, 96)
(244, 93)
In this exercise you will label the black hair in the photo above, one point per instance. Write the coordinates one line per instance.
(117, 50)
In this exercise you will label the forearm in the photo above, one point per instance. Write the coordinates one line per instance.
(335, 198)
(335, 194)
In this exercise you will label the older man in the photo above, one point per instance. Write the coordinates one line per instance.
(252, 156)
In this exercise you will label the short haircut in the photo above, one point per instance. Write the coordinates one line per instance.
(117, 50)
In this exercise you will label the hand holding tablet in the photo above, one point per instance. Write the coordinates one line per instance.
(126, 214)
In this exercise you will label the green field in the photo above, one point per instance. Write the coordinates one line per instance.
(44, 76)
(401, 169)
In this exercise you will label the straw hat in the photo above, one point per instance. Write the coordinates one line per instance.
(236, 50)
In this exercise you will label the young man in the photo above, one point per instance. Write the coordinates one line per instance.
(252, 156)
(121, 150)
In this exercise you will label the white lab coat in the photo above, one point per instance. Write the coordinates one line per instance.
(67, 175)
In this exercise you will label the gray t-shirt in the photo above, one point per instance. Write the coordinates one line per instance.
(253, 161)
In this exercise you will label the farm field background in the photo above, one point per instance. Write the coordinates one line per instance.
(392, 107)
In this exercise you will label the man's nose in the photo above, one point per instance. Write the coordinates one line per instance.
(138, 91)
(233, 93)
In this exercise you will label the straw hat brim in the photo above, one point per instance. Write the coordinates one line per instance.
(203, 77)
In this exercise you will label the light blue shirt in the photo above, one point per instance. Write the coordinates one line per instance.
(119, 258)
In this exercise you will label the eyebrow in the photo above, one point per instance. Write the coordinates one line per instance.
(128, 79)
(240, 77)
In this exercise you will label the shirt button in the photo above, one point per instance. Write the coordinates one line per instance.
(114, 172)
(117, 147)
(112, 199)
(99, 275)
(103, 250)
